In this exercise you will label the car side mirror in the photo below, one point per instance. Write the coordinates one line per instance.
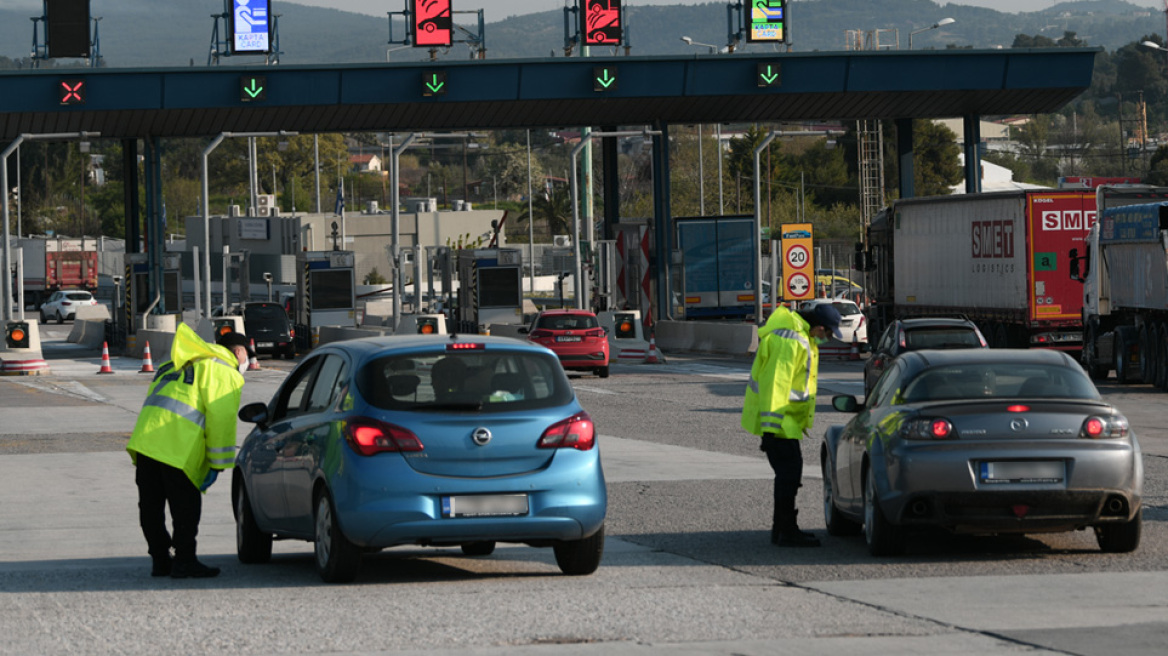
(845, 403)
(255, 413)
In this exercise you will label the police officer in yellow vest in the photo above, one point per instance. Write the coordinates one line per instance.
(185, 435)
(780, 405)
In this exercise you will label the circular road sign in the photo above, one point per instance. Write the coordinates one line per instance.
(798, 284)
(797, 257)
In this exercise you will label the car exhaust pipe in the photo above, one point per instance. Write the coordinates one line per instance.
(1116, 506)
(920, 508)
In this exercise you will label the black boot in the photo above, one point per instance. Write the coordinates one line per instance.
(193, 569)
(789, 535)
(161, 566)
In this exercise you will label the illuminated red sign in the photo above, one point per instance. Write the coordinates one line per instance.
(433, 25)
(602, 22)
(71, 92)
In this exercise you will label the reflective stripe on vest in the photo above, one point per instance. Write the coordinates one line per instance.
(226, 456)
(791, 334)
(177, 407)
(772, 420)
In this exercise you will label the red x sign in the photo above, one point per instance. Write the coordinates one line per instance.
(71, 92)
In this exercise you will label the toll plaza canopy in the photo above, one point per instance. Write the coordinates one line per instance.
(596, 91)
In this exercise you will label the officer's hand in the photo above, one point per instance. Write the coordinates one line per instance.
(210, 480)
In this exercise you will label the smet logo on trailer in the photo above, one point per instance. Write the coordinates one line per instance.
(993, 239)
(1079, 220)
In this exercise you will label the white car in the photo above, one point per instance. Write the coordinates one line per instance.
(63, 305)
(852, 320)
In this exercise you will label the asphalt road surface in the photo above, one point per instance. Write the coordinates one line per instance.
(688, 567)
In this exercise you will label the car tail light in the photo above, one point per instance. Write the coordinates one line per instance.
(1102, 428)
(466, 346)
(902, 341)
(929, 428)
(292, 333)
(598, 332)
(1018, 408)
(982, 340)
(370, 436)
(540, 334)
(576, 432)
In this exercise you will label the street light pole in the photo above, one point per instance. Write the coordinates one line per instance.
(940, 23)
(758, 231)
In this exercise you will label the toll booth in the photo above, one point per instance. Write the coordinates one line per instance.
(326, 293)
(490, 288)
(140, 295)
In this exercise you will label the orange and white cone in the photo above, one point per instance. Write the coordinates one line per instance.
(653, 357)
(147, 362)
(252, 363)
(105, 361)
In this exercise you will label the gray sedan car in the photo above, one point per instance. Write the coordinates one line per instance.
(982, 441)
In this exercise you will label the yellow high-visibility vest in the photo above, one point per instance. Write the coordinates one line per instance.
(780, 397)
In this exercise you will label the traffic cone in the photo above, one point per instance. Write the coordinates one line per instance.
(147, 363)
(855, 354)
(653, 358)
(105, 361)
(252, 363)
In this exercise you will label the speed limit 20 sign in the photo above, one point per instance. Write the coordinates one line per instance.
(798, 263)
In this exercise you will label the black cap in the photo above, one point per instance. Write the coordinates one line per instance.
(824, 314)
(233, 339)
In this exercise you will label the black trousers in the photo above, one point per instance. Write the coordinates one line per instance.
(160, 485)
(786, 459)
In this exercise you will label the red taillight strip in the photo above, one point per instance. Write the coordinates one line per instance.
(370, 436)
(575, 432)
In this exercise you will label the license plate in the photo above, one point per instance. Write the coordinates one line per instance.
(485, 505)
(1023, 472)
(265, 344)
(567, 339)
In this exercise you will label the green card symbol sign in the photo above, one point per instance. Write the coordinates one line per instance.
(434, 83)
(253, 87)
(604, 78)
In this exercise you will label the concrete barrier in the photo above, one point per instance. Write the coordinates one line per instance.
(507, 330)
(706, 337)
(329, 334)
(97, 312)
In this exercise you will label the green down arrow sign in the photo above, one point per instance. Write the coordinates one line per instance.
(253, 87)
(769, 75)
(434, 83)
(604, 78)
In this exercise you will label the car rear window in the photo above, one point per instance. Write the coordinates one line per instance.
(79, 296)
(941, 338)
(567, 322)
(998, 380)
(265, 313)
(846, 308)
(491, 380)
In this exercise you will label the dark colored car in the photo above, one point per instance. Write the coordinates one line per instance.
(459, 441)
(268, 326)
(905, 335)
(982, 441)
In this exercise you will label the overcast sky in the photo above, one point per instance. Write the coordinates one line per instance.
(495, 10)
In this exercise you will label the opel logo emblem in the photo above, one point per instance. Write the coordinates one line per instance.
(1019, 425)
(481, 436)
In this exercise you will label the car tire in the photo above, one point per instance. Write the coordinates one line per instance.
(602, 371)
(837, 524)
(337, 559)
(1144, 343)
(1161, 350)
(60, 319)
(580, 557)
(883, 538)
(1087, 357)
(484, 548)
(252, 546)
(1120, 538)
(1123, 373)
(44, 319)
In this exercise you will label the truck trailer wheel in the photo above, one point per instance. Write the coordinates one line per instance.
(1147, 356)
(1122, 350)
(1089, 355)
(1160, 341)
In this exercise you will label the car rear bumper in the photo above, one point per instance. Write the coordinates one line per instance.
(932, 485)
(566, 501)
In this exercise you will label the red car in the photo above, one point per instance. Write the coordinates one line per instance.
(575, 336)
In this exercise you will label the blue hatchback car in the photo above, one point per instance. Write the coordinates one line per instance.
(429, 440)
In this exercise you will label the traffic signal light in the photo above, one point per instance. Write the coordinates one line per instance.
(71, 92)
(16, 335)
(427, 325)
(224, 326)
(626, 326)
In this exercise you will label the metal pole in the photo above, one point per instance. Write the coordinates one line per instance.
(316, 160)
(718, 130)
(530, 220)
(207, 222)
(19, 196)
(758, 316)
(578, 287)
(701, 176)
(5, 284)
(395, 227)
